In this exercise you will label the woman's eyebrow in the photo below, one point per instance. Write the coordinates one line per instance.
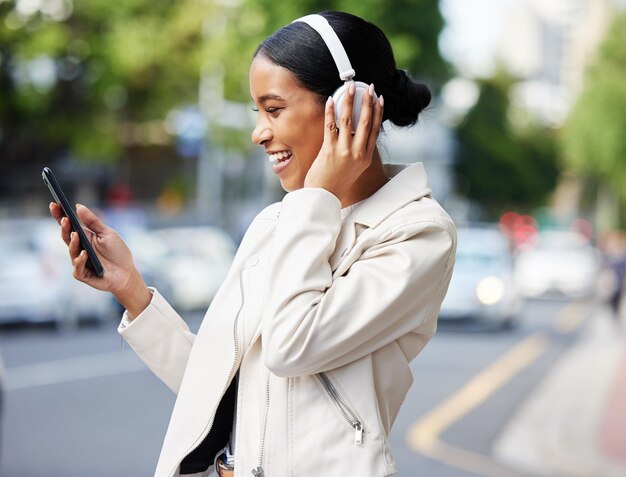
(265, 97)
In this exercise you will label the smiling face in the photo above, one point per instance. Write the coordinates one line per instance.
(290, 121)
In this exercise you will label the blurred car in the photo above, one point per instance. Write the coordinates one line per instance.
(31, 288)
(561, 263)
(482, 285)
(188, 264)
(36, 283)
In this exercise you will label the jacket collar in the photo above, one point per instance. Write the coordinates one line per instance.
(408, 183)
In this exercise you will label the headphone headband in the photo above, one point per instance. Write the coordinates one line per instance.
(338, 52)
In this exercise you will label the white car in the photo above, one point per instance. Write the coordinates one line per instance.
(36, 283)
(190, 262)
(482, 286)
(561, 263)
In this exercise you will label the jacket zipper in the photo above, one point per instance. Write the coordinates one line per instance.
(258, 471)
(233, 368)
(346, 411)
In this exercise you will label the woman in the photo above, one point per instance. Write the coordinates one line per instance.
(302, 361)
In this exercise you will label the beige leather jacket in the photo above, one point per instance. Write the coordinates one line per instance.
(321, 318)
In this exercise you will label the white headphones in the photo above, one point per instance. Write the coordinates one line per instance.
(346, 73)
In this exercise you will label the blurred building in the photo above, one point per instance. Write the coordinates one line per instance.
(548, 44)
(431, 142)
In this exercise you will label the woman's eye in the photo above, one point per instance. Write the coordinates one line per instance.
(269, 110)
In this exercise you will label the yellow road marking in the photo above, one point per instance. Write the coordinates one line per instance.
(470, 461)
(424, 435)
(571, 316)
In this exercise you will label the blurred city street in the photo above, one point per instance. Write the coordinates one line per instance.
(144, 112)
(83, 405)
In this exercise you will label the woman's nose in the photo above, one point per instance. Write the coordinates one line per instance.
(261, 134)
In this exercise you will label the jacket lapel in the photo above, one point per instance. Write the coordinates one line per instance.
(408, 183)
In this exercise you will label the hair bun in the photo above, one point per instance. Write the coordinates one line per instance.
(408, 100)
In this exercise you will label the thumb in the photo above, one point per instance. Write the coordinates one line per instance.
(90, 220)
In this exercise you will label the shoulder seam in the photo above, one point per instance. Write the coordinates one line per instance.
(447, 225)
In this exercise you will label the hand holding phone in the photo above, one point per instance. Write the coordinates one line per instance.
(122, 278)
(93, 262)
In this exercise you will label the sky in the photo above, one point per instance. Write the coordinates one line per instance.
(472, 31)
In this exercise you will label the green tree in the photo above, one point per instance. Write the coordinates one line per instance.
(73, 76)
(412, 26)
(593, 140)
(87, 78)
(499, 166)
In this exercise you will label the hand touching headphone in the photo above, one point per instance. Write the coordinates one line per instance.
(346, 72)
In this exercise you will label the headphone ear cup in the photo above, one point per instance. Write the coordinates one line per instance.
(339, 97)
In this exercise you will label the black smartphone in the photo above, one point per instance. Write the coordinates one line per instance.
(59, 197)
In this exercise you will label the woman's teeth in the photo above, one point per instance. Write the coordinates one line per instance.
(279, 156)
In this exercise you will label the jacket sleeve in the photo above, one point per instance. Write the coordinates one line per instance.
(161, 338)
(312, 323)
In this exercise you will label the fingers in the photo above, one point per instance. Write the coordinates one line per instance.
(56, 212)
(345, 121)
(78, 257)
(365, 125)
(342, 142)
(66, 230)
(377, 121)
(80, 266)
(74, 246)
(90, 220)
(330, 126)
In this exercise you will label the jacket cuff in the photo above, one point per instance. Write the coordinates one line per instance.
(126, 317)
(152, 325)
